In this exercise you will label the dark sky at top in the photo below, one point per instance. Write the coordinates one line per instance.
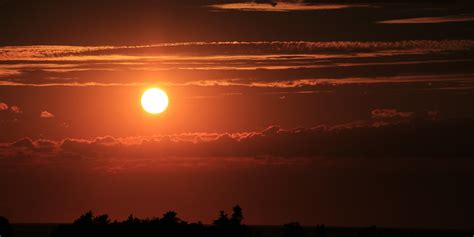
(147, 21)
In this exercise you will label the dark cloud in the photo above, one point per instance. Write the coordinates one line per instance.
(387, 1)
(144, 17)
(284, 6)
(256, 64)
(23, 143)
(390, 113)
(431, 20)
(445, 138)
(75, 54)
(45, 145)
(270, 2)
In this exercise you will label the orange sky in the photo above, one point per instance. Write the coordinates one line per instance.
(320, 112)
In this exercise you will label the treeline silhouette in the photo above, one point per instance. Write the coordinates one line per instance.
(5, 227)
(168, 225)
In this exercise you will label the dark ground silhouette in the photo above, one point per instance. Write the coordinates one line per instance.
(90, 225)
(5, 227)
(168, 225)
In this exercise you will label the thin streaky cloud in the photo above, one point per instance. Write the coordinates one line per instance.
(282, 6)
(76, 66)
(430, 20)
(242, 82)
(241, 64)
(72, 84)
(38, 52)
(345, 81)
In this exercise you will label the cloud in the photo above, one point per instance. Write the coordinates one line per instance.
(416, 137)
(46, 115)
(430, 20)
(271, 6)
(15, 109)
(270, 2)
(3, 106)
(23, 143)
(187, 50)
(247, 63)
(326, 85)
(390, 113)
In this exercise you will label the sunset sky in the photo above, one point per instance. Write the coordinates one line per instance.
(344, 113)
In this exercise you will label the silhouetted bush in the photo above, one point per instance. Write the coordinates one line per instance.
(168, 225)
(223, 220)
(230, 227)
(5, 227)
(321, 230)
(88, 218)
(293, 229)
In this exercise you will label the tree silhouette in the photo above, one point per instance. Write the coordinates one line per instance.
(88, 218)
(5, 227)
(168, 225)
(226, 226)
(222, 221)
(170, 218)
(321, 230)
(131, 220)
(237, 215)
(101, 220)
(85, 219)
(293, 229)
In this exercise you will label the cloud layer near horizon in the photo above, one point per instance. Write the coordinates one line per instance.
(381, 138)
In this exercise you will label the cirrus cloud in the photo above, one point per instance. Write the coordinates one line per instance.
(390, 113)
(271, 6)
(430, 20)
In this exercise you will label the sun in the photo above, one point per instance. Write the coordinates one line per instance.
(154, 101)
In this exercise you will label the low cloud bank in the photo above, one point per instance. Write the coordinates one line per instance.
(418, 137)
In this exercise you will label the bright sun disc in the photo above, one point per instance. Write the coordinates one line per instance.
(154, 101)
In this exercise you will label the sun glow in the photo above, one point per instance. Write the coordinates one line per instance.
(154, 101)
